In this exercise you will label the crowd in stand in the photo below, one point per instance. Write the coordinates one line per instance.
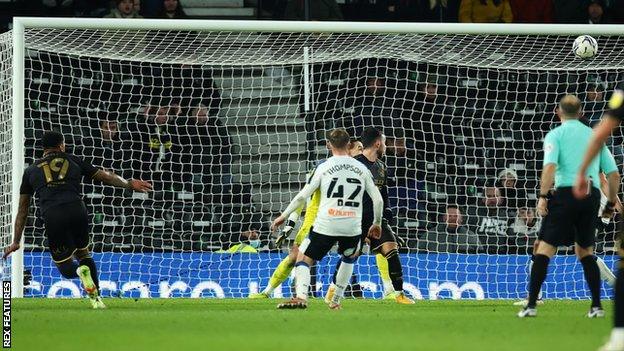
(466, 11)
(452, 168)
(178, 141)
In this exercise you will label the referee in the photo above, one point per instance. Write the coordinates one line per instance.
(568, 220)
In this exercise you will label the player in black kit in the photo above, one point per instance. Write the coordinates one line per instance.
(602, 131)
(56, 180)
(374, 143)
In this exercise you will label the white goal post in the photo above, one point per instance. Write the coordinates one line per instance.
(281, 84)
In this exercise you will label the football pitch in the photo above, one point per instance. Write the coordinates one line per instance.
(228, 324)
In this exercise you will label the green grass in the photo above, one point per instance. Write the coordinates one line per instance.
(207, 324)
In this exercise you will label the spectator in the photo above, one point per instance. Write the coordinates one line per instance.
(532, 11)
(61, 8)
(404, 10)
(372, 107)
(594, 103)
(320, 10)
(104, 147)
(523, 232)
(431, 119)
(171, 9)
(205, 155)
(596, 12)
(247, 226)
(125, 9)
(450, 236)
(513, 197)
(617, 11)
(153, 144)
(489, 220)
(485, 11)
(136, 6)
(440, 10)
(249, 243)
(401, 160)
(570, 11)
(92, 8)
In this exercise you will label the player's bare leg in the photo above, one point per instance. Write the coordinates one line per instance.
(390, 250)
(280, 274)
(302, 284)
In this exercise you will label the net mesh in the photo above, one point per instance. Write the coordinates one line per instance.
(6, 143)
(222, 124)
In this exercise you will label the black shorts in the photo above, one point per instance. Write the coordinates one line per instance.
(387, 235)
(570, 220)
(67, 229)
(316, 246)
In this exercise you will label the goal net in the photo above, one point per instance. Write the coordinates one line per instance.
(227, 123)
(6, 145)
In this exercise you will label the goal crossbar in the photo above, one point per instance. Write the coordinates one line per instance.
(317, 27)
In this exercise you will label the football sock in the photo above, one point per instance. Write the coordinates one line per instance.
(395, 270)
(68, 269)
(336, 271)
(302, 280)
(89, 262)
(343, 276)
(280, 274)
(538, 275)
(592, 276)
(619, 297)
(384, 273)
(605, 272)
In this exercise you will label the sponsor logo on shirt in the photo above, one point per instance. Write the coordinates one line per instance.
(333, 212)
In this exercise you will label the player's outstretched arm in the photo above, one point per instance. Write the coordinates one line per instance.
(20, 223)
(298, 201)
(113, 179)
(601, 133)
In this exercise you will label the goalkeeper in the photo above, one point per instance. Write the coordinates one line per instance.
(283, 270)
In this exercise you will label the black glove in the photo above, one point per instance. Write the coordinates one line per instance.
(288, 228)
